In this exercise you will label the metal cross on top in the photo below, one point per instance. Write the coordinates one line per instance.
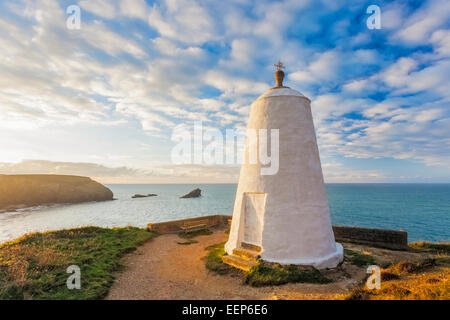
(279, 66)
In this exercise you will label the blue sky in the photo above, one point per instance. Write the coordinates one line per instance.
(104, 100)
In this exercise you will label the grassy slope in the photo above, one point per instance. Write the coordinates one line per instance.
(428, 279)
(34, 266)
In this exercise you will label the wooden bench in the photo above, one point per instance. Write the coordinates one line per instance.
(192, 226)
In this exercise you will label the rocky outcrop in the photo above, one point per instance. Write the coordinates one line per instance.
(193, 194)
(137, 196)
(19, 191)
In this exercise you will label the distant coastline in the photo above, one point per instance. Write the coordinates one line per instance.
(26, 191)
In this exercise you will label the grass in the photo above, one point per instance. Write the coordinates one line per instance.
(214, 259)
(187, 242)
(193, 234)
(423, 280)
(264, 274)
(423, 286)
(359, 259)
(189, 236)
(420, 280)
(439, 248)
(34, 266)
(404, 267)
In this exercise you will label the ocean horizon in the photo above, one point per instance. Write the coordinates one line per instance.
(421, 209)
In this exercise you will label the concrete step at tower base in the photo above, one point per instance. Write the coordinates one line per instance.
(238, 262)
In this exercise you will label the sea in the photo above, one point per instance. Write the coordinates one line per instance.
(423, 210)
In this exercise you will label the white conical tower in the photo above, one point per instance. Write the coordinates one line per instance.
(284, 215)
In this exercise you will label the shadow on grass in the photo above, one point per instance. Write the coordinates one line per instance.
(189, 236)
(358, 259)
(263, 274)
(213, 260)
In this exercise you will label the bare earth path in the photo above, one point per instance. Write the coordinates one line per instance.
(163, 269)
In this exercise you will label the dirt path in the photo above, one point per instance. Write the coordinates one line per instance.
(163, 269)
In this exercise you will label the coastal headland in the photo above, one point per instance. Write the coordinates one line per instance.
(22, 191)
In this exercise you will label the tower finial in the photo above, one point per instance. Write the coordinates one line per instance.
(279, 75)
(279, 66)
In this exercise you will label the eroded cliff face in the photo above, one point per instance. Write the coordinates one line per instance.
(19, 191)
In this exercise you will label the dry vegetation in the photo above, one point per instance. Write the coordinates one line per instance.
(418, 274)
(426, 279)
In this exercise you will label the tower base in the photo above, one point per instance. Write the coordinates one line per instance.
(330, 261)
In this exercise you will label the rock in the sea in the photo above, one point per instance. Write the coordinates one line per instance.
(18, 191)
(193, 194)
(143, 195)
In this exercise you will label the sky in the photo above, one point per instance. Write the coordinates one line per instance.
(104, 100)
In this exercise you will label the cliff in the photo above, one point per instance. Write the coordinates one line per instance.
(19, 191)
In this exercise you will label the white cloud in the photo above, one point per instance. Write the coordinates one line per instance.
(134, 8)
(232, 86)
(322, 68)
(397, 74)
(337, 172)
(103, 8)
(332, 66)
(419, 26)
(169, 48)
(333, 105)
(182, 20)
(98, 35)
(391, 132)
(441, 41)
(392, 15)
(65, 168)
(123, 174)
(405, 75)
(356, 85)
